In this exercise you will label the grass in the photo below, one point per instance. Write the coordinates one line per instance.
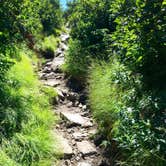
(48, 46)
(76, 60)
(29, 119)
(105, 95)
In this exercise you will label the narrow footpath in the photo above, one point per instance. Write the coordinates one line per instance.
(76, 127)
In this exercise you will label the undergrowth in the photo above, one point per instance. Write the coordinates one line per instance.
(48, 45)
(127, 114)
(26, 119)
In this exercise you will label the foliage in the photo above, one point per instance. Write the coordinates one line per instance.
(127, 91)
(25, 137)
(51, 16)
(33, 142)
(76, 59)
(48, 45)
(90, 29)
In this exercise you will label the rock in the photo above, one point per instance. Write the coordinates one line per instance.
(86, 148)
(92, 132)
(84, 107)
(50, 75)
(64, 145)
(60, 94)
(70, 104)
(78, 136)
(57, 62)
(72, 96)
(48, 64)
(52, 82)
(84, 164)
(67, 149)
(64, 37)
(63, 46)
(47, 69)
(76, 119)
(80, 105)
(58, 52)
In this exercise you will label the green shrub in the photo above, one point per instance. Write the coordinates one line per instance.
(48, 46)
(125, 112)
(77, 60)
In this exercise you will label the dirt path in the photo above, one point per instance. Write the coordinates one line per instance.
(77, 126)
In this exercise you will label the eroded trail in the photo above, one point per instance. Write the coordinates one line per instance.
(77, 125)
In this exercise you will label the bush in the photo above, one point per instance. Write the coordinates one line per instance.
(125, 114)
(77, 60)
(48, 45)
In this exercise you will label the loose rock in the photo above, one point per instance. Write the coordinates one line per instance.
(86, 148)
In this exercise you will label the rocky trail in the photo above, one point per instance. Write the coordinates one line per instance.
(76, 127)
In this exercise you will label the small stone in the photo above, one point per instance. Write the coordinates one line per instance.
(70, 104)
(46, 70)
(52, 82)
(60, 94)
(48, 64)
(86, 148)
(80, 105)
(78, 136)
(84, 164)
(84, 107)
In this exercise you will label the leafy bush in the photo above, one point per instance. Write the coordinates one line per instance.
(127, 115)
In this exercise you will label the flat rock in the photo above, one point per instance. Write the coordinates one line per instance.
(60, 94)
(86, 148)
(52, 82)
(48, 64)
(63, 46)
(76, 118)
(67, 149)
(57, 62)
(79, 136)
(58, 52)
(84, 164)
(64, 37)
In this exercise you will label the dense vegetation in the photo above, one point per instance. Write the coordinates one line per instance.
(25, 116)
(124, 43)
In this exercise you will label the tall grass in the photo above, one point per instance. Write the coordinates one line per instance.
(105, 94)
(27, 138)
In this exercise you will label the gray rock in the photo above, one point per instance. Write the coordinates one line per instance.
(78, 136)
(60, 94)
(63, 46)
(52, 82)
(64, 145)
(48, 64)
(58, 52)
(47, 69)
(76, 118)
(86, 148)
(84, 164)
(64, 37)
(57, 62)
(50, 75)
